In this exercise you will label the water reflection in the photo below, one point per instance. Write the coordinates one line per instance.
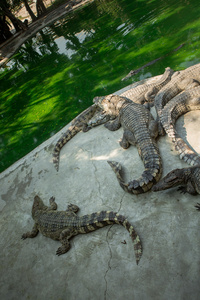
(65, 46)
(56, 74)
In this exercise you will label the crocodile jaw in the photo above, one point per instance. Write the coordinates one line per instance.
(172, 179)
(98, 101)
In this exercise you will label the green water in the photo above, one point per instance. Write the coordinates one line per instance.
(56, 74)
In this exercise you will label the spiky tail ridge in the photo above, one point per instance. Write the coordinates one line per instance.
(179, 105)
(67, 136)
(141, 185)
(185, 152)
(100, 219)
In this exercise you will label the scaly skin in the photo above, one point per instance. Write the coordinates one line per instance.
(188, 177)
(140, 129)
(63, 225)
(181, 104)
(147, 92)
(141, 94)
(80, 123)
(187, 79)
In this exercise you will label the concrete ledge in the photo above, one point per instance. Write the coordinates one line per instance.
(99, 265)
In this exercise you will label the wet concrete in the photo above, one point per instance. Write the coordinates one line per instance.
(100, 265)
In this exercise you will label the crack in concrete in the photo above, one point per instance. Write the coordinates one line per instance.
(98, 183)
(95, 174)
(109, 264)
(120, 204)
(110, 258)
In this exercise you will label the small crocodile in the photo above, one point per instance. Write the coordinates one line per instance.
(188, 177)
(181, 104)
(186, 79)
(134, 72)
(140, 129)
(147, 92)
(80, 123)
(63, 225)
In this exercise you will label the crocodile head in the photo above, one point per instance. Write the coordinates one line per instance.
(110, 104)
(98, 119)
(172, 179)
(103, 102)
(37, 205)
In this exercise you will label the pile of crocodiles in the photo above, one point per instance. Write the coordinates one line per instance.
(173, 95)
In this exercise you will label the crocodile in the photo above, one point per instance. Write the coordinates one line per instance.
(134, 72)
(80, 123)
(140, 129)
(188, 177)
(181, 104)
(63, 225)
(180, 81)
(146, 92)
(142, 94)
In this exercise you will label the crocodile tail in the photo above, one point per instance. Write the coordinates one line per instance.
(100, 219)
(135, 238)
(117, 168)
(67, 136)
(185, 153)
(179, 105)
(150, 176)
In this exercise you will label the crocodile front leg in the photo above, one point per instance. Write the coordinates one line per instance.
(31, 234)
(189, 188)
(86, 127)
(114, 125)
(72, 208)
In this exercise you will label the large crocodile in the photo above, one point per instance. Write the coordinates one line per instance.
(63, 225)
(188, 177)
(186, 79)
(140, 129)
(147, 91)
(80, 123)
(181, 104)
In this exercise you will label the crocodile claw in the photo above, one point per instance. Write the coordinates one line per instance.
(197, 206)
(182, 189)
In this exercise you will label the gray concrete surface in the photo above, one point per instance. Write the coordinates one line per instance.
(99, 265)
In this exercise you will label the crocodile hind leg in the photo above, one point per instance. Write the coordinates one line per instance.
(31, 234)
(53, 204)
(153, 128)
(127, 139)
(65, 235)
